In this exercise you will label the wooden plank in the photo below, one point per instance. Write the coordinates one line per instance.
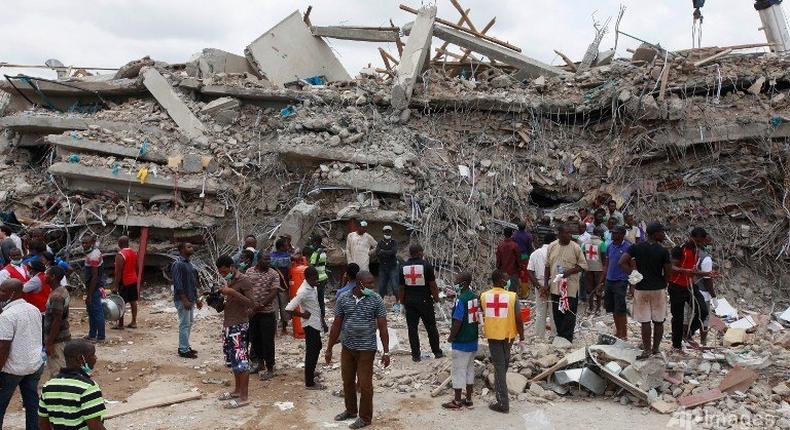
(738, 379)
(713, 57)
(550, 371)
(307, 16)
(701, 398)
(128, 408)
(464, 16)
(466, 30)
(440, 51)
(468, 52)
(568, 61)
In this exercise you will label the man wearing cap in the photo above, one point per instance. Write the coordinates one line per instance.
(650, 261)
(387, 254)
(616, 281)
(359, 245)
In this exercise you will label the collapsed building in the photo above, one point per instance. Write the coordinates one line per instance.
(448, 148)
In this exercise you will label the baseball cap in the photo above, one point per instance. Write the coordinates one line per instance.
(619, 229)
(387, 228)
(654, 227)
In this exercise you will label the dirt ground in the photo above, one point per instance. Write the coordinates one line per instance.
(142, 363)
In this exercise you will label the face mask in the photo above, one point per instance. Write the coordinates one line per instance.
(388, 237)
(507, 286)
(367, 292)
(16, 262)
(86, 367)
(242, 266)
(229, 276)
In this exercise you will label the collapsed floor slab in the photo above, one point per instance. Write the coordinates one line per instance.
(299, 155)
(72, 144)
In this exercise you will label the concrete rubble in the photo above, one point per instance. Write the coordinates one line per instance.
(284, 141)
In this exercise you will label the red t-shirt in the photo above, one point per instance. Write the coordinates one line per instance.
(688, 258)
(508, 256)
(129, 275)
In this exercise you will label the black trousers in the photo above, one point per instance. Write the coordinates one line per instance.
(321, 304)
(311, 352)
(416, 310)
(565, 322)
(263, 327)
(678, 298)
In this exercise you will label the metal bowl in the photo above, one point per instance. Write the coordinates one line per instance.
(113, 306)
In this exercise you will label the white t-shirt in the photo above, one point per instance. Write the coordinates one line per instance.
(537, 263)
(706, 265)
(20, 323)
(307, 298)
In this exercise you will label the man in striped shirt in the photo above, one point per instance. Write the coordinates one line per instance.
(72, 400)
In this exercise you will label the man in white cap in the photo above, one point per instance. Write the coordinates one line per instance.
(359, 245)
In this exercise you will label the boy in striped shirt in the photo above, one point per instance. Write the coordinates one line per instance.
(72, 400)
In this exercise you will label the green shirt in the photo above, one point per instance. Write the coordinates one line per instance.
(69, 399)
(466, 310)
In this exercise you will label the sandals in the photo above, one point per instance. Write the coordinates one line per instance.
(468, 403)
(316, 387)
(228, 396)
(266, 376)
(344, 416)
(235, 404)
(358, 424)
(131, 326)
(496, 407)
(453, 404)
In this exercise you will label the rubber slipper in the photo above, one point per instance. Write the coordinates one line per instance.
(234, 404)
(316, 387)
(344, 416)
(452, 404)
(228, 396)
(132, 326)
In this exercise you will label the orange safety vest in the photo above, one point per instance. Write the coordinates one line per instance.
(499, 314)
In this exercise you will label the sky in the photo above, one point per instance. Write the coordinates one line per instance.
(110, 33)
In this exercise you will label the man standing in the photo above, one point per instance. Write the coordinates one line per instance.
(250, 244)
(281, 261)
(15, 269)
(501, 324)
(616, 283)
(594, 249)
(523, 239)
(418, 294)
(263, 322)
(124, 279)
(358, 314)
(704, 288)
(650, 260)
(684, 268)
(56, 321)
(599, 220)
(508, 258)
(185, 296)
(72, 400)
(614, 213)
(537, 269)
(564, 262)
(633, 232)
(20, 351)
(359, 244)
(318, 260)
(463, 337)
(236, 326)
(307, 299)
(387, 254)
(93, 276)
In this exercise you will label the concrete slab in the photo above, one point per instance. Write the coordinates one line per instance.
(117, 87)
(163, 92)
(701, 398)
(528, 67)
(220, 104)
(72, 144)
(45, 124)
(416, 52)
(297, 156)
(298, 223)
(165, 222)
(355, 33)
(273, 98)
(289, 52)
(379, 181)
(92, 179)
(211, 61)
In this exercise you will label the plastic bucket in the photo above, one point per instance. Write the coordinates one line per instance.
(525, 314)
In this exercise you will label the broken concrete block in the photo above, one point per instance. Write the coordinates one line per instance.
(415, 54)
(528, 67)
(160, 88)
(547, 360)
(289, 52)
(605, 57)
(644, 53)
(502, 81)
(781, 389)
(516, 382)
(646, 374)
(757, 86)
(734, 336)
(192, 163)
(211, 61)
(379, 180)
(613, 352)
(663, 407)
(220, 104)
(298, 223)
(561, 342)
(738, 379)
(5, 100)
(132, 69)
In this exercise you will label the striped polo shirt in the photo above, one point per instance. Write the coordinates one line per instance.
(69, 399)
(359, 320)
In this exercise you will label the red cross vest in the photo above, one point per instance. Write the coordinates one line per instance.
(40, 298)
(499, 314)
(16, 274)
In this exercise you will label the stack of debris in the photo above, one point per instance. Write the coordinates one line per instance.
(447, 147)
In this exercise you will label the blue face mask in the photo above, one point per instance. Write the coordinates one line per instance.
(86, 367)
(367, 292)
(16, 262)
(242, 266)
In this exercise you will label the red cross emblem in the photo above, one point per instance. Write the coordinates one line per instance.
(473, 307)
(591, 253)
(413, 275)
(495, 307)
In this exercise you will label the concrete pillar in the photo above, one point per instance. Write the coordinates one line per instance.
(415, 54)
(774, 24)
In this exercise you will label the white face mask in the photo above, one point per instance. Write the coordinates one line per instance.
(386, 236)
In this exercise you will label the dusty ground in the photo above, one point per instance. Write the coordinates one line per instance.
(141, 363)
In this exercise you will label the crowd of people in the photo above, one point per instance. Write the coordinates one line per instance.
(600, 257)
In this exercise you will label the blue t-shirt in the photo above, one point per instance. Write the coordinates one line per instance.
(458, 314)
(613, 254)
(346, 288)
